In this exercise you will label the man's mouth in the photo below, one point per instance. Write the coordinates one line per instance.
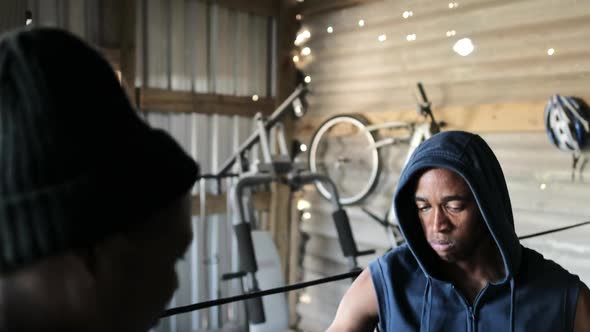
(441, 245)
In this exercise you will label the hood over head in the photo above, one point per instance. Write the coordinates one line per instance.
(469, 156)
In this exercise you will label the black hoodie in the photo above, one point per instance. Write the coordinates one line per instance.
(535, 294)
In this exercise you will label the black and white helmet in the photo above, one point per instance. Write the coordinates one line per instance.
(567, 121)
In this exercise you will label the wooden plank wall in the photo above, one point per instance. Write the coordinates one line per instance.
(352, 71)
(498, 91)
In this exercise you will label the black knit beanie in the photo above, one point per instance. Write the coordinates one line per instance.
(76, 162)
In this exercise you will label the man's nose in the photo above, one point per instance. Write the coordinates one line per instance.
(441, 221)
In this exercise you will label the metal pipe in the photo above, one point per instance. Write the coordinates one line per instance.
(306, 177)
(270, 122)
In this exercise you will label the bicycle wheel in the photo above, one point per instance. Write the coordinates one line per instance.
(342, 149)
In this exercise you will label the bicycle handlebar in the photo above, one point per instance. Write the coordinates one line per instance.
(425, 109)
(275, 117)
(422, 93)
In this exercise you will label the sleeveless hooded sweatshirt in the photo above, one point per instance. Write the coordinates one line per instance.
(535, 294)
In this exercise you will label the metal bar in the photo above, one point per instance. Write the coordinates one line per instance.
(283, 149)
(271, 121)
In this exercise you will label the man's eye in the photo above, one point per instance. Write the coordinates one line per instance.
(455, 208)
(423, 208)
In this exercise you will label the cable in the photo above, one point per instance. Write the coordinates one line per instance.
(352, 274)
(553, 230)
(212, 303)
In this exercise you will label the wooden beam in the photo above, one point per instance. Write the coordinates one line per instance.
(217, 204)
(281, 205)
(128, 9)
(161, 100)
(295, 246)
(256, 7)
(112, 55)
(117, 40)
(317, 7)
(485, 118)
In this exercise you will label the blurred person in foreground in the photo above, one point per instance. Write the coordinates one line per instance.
(94, 204)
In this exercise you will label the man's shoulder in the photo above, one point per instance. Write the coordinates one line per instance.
(401, 253)
(536, 266)
(399, 259)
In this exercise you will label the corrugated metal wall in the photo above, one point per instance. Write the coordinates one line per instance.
(190, 45)
(352, 71)
(77, 16)
(195, 46)
(12, 14)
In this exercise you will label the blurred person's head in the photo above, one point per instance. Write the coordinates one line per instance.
(94, 204)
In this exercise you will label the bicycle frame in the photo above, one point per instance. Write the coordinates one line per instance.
(363, 133)
(418, 134)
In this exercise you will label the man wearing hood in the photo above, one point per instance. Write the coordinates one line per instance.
(463, 268)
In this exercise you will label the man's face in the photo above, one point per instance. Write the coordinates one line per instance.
(449, 215)
(143, 275)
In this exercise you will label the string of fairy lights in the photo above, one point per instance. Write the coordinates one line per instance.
(302, 54)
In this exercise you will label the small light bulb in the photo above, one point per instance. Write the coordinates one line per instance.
(408, 14)
(303, 205)
(295, 58)
(255, 98)
(298, 17)
(29, 21)
(303, 147)
(550, 51)
(543, 186)
(300, 0)
(411, 37)
(330, 29)
(451, 33)
(305, 298)
(361, 23)
(306, 215)
(307, 79)
(464, 47)
(382, 38)
(306, 51)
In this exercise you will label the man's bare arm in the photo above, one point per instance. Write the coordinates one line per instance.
(582, 320)
(358, 309)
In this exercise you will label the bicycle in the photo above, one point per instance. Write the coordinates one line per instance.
(346, 149)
